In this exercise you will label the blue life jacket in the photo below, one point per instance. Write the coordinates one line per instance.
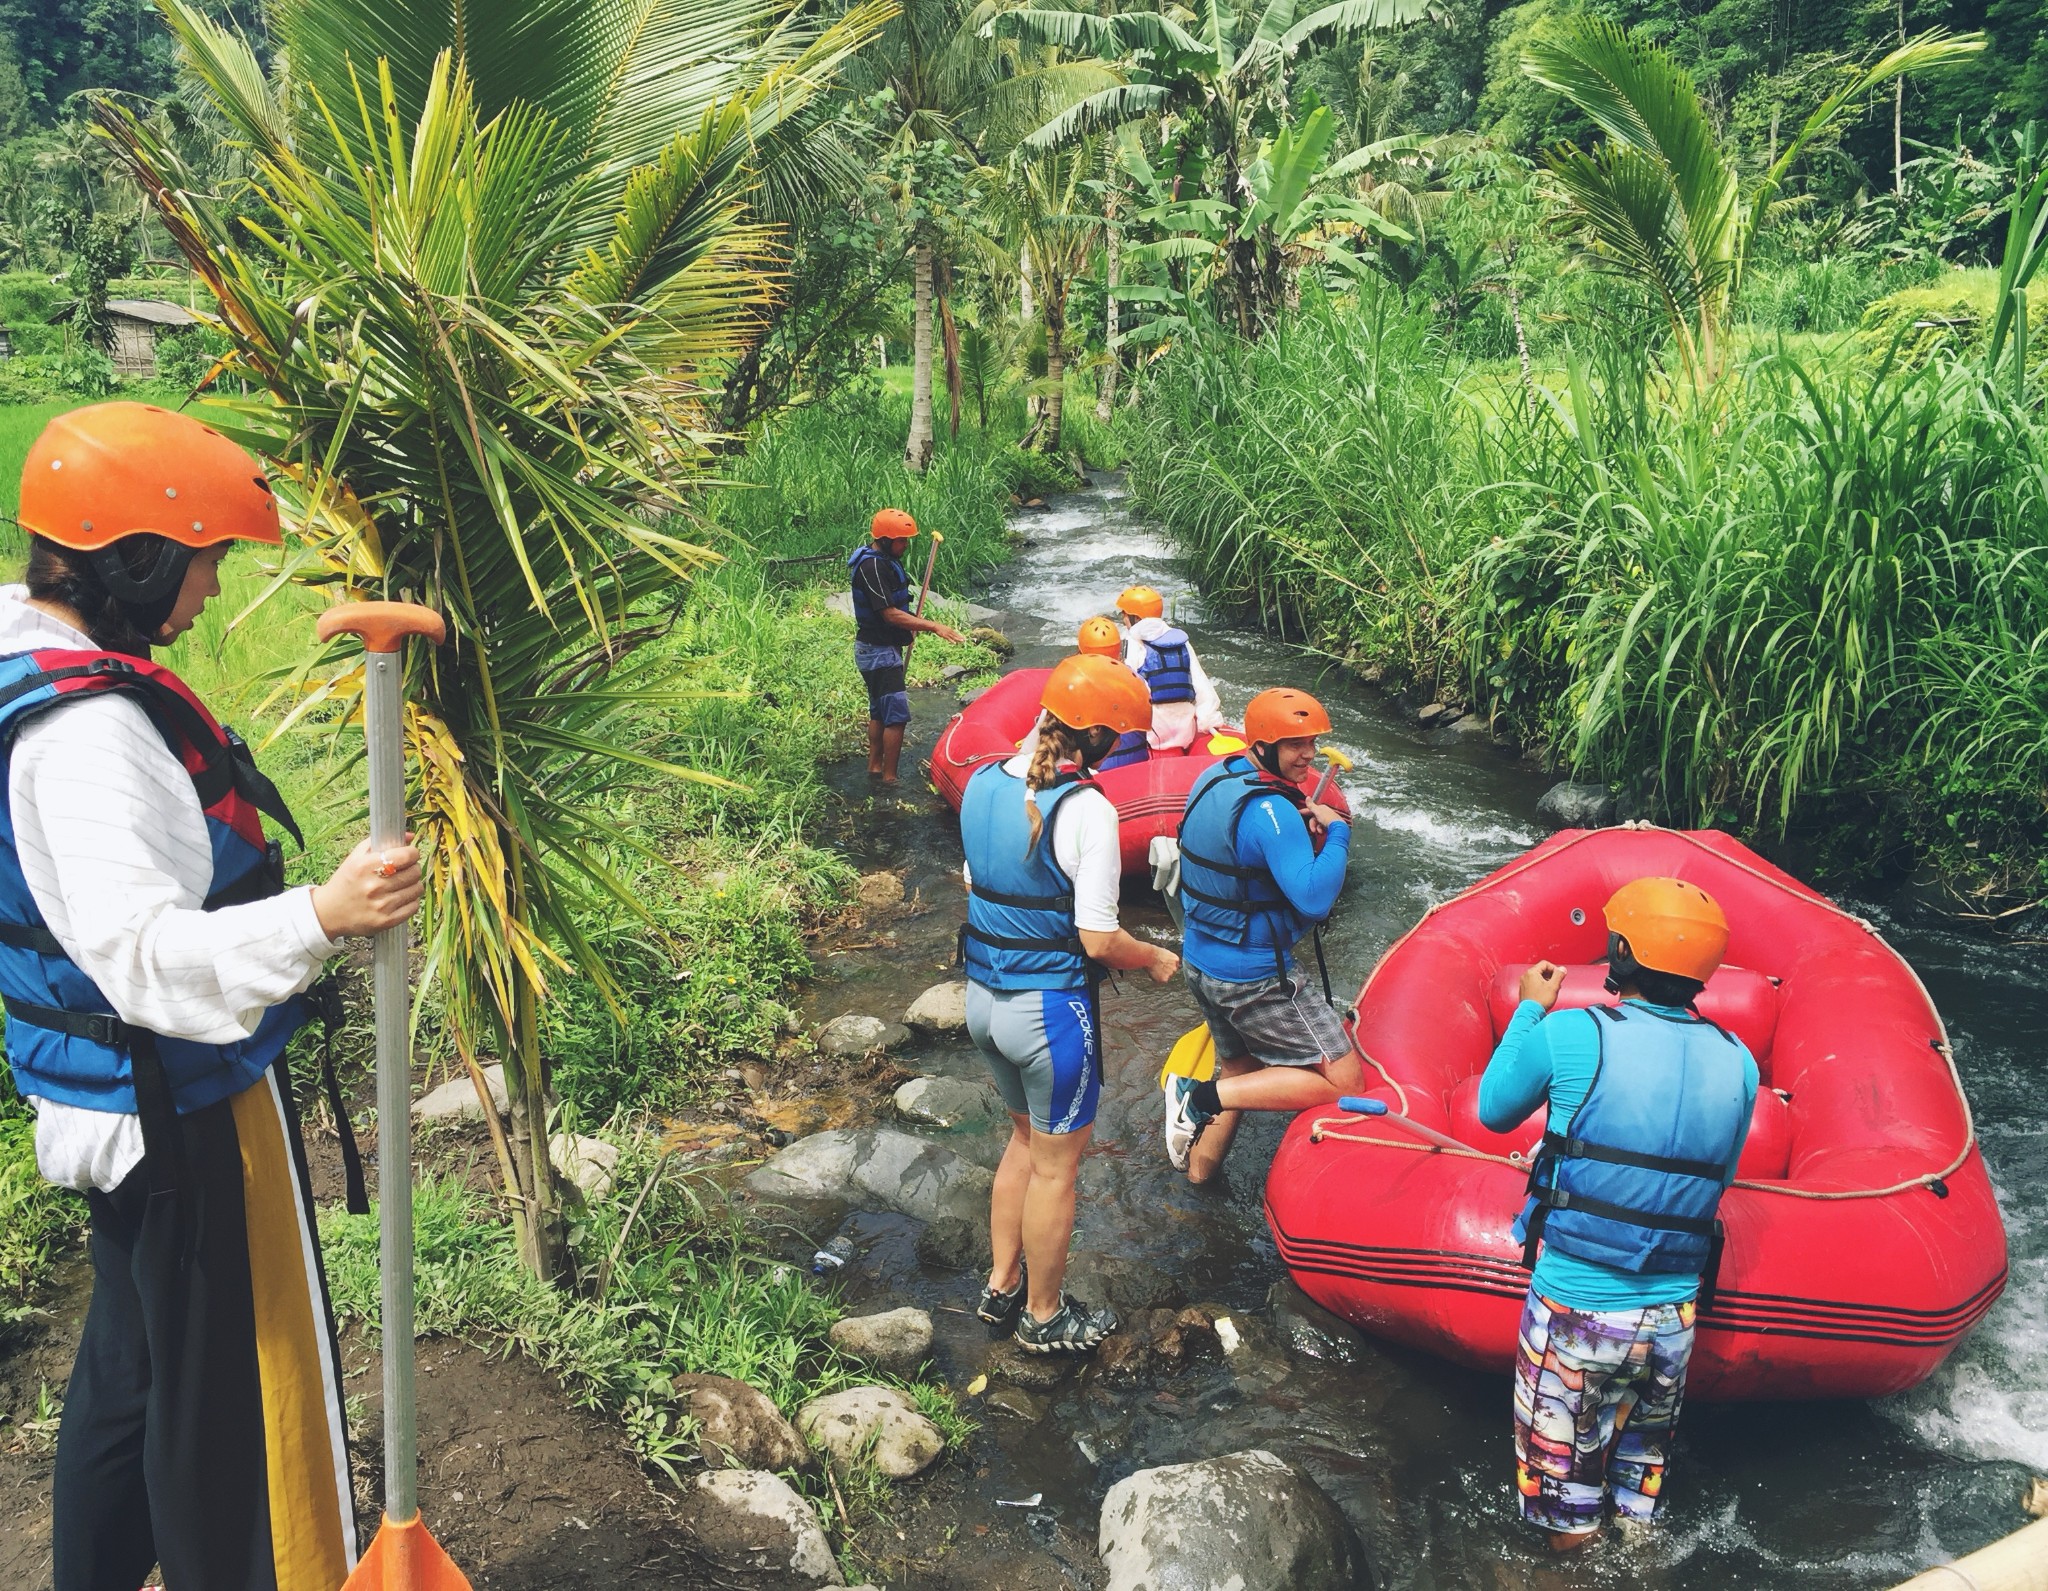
(1020, 931)
(1129, 748)
(1168, 669)
(1636, 1177)
(868, 624)
(64, 1041)
(1223, 896)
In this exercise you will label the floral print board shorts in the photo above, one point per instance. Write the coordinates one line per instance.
(1596, 1404)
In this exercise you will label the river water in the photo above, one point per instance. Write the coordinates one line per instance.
(1415, 1451)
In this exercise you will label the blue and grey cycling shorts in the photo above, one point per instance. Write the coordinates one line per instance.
(1044, 1051)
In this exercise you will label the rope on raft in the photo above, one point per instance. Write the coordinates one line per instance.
(1321, 1128)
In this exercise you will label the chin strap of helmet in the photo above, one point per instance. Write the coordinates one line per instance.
(147, 596)
(1622, 965)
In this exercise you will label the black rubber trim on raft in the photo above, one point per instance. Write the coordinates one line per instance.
(1753, 1314)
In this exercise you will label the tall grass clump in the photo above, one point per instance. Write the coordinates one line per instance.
(1313, 477)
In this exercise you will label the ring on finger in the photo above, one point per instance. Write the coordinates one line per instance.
(386, 868)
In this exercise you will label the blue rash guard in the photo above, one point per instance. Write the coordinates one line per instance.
(1554, 1055)
(1271, 834)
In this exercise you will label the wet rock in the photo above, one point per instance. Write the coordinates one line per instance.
(1244, 1522)
(1476, 724)
(951, 672)
(994, 640)
(947, 1102)
(877, 1168)
(1018, 1404)
(940, 1009)
(1311, 1330)
(590, 1163)
(1432, 715)
(872, 1423)
(852, 1035)
(1038, 1371)
(455, 1100)
(1569, 805)
(969, 698)
(750, 1519)
(897, 1339)
(878, 890)
(739, 1425)
(953, 1244)
(1157, 1342)
(1127, 1285)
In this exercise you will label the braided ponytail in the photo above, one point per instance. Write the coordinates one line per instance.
(1056, 744)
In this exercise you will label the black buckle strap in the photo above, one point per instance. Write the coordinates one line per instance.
(1607, 1154)
(1564, 1199)
(324, 1001)
(1228, 869)
(1071, 945)
(101, 1027)
(30, 936)
(1055, 903)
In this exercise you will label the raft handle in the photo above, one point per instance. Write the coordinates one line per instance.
(1938, 1188)
(1359, 1105)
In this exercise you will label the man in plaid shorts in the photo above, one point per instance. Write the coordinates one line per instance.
(1648, 1107)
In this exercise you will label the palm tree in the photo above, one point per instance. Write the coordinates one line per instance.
(1214, 75)
(1662, 200)
(486, 272)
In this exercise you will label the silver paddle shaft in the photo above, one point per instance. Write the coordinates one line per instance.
(384, 722)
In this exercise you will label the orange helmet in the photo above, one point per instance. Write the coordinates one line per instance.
(1142, 602)
(112, 470)
(1087, 692)
(1101, 638)
(1669, 926)
(1283, 715)
(892, 524)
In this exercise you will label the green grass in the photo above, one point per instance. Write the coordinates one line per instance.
(20, 425)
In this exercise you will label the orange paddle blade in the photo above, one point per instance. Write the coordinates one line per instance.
(404, 1557)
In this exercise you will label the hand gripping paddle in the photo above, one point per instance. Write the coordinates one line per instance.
(403, 1557)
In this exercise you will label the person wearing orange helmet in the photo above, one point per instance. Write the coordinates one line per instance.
(1043, 873)
(882, 627)
(1648, 1108)
(1184, 699)
(1100, 637)
(153, 966)
(1252, 883)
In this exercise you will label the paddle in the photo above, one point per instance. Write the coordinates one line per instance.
(1193, 1055)
(1337, 760)
(930, 559)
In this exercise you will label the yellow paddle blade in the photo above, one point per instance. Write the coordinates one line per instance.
(1224, 745)
(1194, 1055)
(403, 1557)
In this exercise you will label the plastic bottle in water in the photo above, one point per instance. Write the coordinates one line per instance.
(833, 1255)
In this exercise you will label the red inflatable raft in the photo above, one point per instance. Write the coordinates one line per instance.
(1863, 1240)
(1149, 796)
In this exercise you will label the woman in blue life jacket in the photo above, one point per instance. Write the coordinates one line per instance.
(882, 627)
(153, 966)
(1184, 700)
(1648, 1108)
(1252, 883)
(1043, 871)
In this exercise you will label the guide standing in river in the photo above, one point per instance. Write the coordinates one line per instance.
(1648, 1109)
(152, 963)
(1043, 871)
(1252, 883)
(883, 626)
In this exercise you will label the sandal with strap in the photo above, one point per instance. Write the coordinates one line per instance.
(999, 1309)
(1074, 1328)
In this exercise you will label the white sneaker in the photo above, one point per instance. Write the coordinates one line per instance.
(1184, 1123)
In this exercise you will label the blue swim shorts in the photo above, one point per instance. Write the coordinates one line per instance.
(1044, 1051)
(882, 671)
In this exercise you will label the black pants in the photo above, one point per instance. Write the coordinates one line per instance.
(207, 1351)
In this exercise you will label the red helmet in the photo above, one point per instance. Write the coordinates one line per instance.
(892, 524)
(1283, 715)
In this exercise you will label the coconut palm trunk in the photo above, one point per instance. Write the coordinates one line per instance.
(1105, 399)
(917, 451)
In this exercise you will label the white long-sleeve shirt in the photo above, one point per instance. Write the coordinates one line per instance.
(113, 844)
(1175, 724)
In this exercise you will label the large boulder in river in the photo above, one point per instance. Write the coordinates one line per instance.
(852, 1035)
(896, 1339)
(877, 1168)
(1569, 805)
(1244, 1522)
(940, 1009)
(948, 1102)
(878, 1425)
(737, 1424)
(747, 1519)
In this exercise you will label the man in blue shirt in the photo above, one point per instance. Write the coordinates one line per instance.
(1648, 1107)
(883, 628)
(1251, 884)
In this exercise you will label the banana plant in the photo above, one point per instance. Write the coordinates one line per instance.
(1662, 199)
